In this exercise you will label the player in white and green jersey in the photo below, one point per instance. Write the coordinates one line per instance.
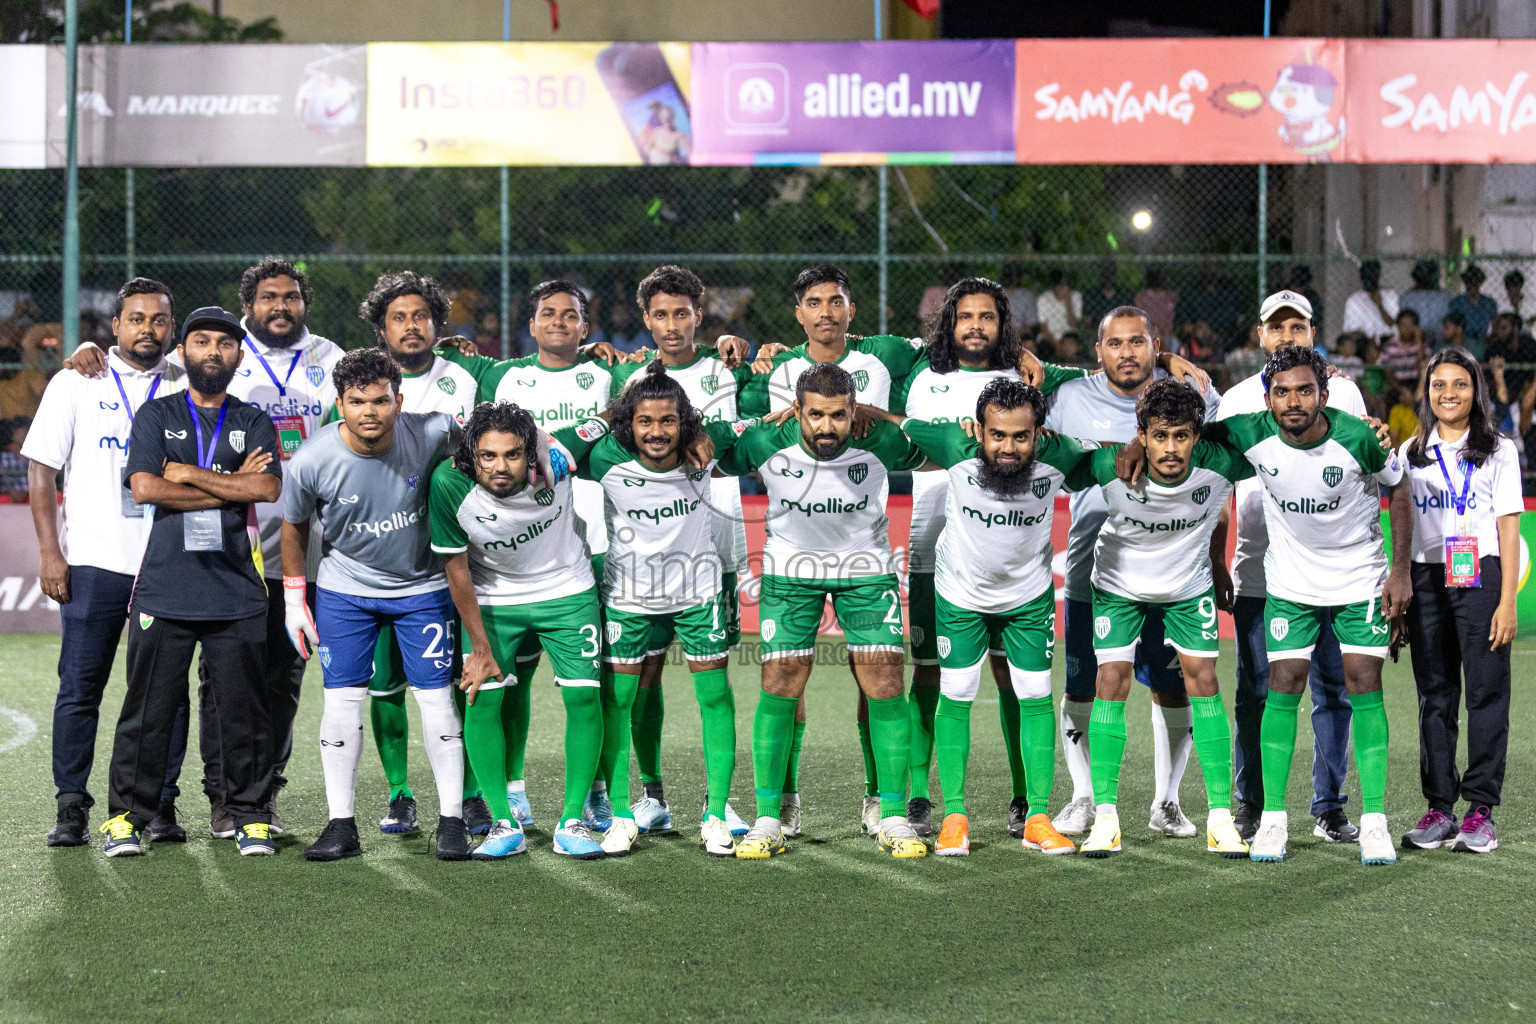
(828, 536)
(1321, 471)
(517, 566)
(994, 594)
(671, 301)
(972, 343)
(1154, 556)
(661, 580)
(824, 308)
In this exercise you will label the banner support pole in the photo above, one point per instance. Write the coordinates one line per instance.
(885, 199)
(506, 222)
(130, 218)
(1263, 226)
(71, 284)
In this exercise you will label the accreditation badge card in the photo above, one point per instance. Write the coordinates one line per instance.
(1462, 568)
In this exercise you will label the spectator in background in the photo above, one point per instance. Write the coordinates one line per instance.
(1515, 300)
(1453, 330)
(933, 296)
(1300, 281)
(1107, 295)
(488, 336)
(1372, 311)
(1403, 420)
(1069, 349)
(1021, 301)
(1509, 342)
(464, 299)
(1346, 355)
(1247, 359)
(13, 467)
(1375, 383)
(21, 386)
(1404, 353)
(1059, 308)
(1477, 310)
(1427, 299)
(1159, 301)
(622, 334)
(1213, 312)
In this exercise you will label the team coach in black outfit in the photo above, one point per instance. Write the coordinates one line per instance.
(201, 458)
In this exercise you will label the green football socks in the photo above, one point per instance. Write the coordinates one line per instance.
(1106, 749)
(645, 728)
(871, 787)
(618, 700)
(471, 782)
(583, 745)
(772, 734)
(515, 708)
(890, 740)
(1034, 747)
(717, 716)
(391, 732)
(922, 701)
(1368, 730)
(792, 773)
(1213, 745)
(952, 743)
(485, 747)
(1277, 745)
(1008, 711)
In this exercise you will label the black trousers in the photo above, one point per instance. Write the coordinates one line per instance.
(160, 653)
(284, 676)
(1448, 637)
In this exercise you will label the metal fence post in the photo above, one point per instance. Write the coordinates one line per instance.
(1263, 233)
(71, 284)
(885, 196)
(506, 223)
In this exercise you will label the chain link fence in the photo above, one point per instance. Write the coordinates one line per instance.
(1187, 233)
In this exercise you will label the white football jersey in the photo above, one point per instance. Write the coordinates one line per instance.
(443, 387)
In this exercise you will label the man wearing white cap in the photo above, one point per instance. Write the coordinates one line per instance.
(1285, 318)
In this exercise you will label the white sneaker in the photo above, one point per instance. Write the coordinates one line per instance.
(652, 815)
(1269, 841)
(1168, 818)
(620, 838)
(1375, 841)
(789, 814)
(870, 822)
(715, 838)
(1075, 818)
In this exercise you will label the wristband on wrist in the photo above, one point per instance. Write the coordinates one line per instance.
(294, 583)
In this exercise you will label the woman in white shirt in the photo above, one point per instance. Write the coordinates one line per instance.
(1456, 567)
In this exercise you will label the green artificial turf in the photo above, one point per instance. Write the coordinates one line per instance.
(831, 930)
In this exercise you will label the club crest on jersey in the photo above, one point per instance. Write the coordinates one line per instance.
(447, 385)
(314, 374)
(917, 636)
(412, 480)
(615, 630)
(1201, 493)
(237, 441)
(768, 628)
(325, 656)
(860, 379)
(1101, 626)
(1332, 475)
(944, 647)
(1278, 628)
(585, 380)
(858, 472)
(709, 383)
(1041, 487)
(545, 497)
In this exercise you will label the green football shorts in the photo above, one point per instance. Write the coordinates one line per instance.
(868, 609)
(634, 636)
(1292, 628)
(568, 628)
(1190, 625)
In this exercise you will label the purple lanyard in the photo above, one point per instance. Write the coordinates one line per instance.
(126, 404)
(205, 461)
(1466, 484)
(282, 385)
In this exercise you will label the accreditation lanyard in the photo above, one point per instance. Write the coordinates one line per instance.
(1462, 568)
(203, 529)
(282, 385)
(129, 508)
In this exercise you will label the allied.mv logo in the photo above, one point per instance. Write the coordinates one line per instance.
(1332, 475)
(1201, 493)
(858, 471)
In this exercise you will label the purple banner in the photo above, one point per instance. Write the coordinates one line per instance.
(951, 101)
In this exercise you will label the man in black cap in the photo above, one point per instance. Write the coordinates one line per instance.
(1477, 309)
(201, 458)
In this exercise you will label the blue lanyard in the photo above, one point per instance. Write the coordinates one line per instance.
(1466, 484)
(205, 461)
(128, 405)
(282, 385)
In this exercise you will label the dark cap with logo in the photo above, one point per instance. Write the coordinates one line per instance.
(212, 317)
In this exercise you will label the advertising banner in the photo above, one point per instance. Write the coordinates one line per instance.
(1155, 101)
(215, 105)
(23, 606)
(1418, 101)
(24, 111)
(487, 104)
(948, 101)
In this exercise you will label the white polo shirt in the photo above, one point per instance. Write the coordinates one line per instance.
(82, 427)
(1495, 492)
(1247, 395)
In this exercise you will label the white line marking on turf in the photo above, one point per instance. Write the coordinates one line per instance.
(211, 873)
(26, 729)
(888, 874)
(577, 878)
(397, 874)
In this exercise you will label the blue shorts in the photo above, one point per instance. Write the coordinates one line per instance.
(349, 630)
(1157, 666)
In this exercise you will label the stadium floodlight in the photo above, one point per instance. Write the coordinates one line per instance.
(1141, 220)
